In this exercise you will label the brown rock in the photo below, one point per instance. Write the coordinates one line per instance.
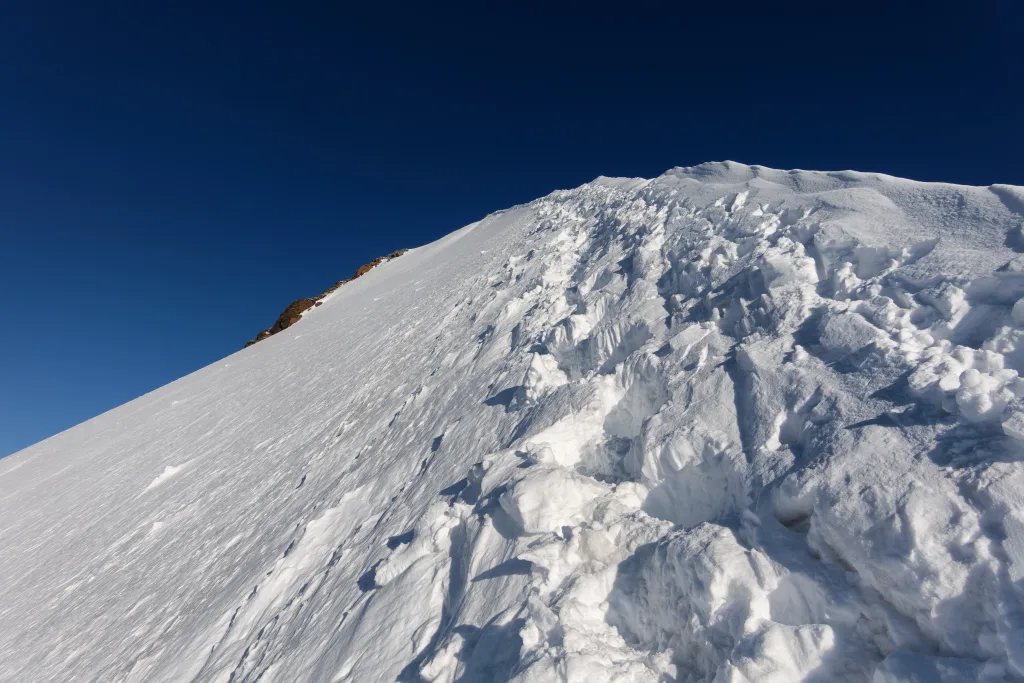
(293, 313)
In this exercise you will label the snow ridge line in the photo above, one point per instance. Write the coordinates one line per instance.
(731, 424)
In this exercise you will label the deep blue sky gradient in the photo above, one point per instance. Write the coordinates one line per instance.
(173, 174)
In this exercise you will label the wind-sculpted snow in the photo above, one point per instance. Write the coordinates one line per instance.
(731, 424)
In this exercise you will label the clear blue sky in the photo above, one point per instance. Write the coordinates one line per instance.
(172, 175)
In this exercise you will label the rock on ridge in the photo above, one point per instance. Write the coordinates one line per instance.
(293, 313)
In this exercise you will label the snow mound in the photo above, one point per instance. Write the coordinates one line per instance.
(731, 424)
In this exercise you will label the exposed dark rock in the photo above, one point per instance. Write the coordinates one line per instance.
(293, 313)
(288, 317)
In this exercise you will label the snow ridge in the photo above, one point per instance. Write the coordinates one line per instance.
(730, 424)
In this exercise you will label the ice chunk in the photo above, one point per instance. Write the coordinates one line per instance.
(847, 333)
(546, 499)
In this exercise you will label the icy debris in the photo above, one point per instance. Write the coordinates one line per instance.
(971, 382)
(985, 396)
(948, 300)
(548, 499)
(542, 376)
(847, 333)
(722, 593)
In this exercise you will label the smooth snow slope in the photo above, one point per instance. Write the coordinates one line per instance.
(731, 424)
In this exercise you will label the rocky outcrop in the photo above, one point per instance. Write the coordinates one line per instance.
(293, 313)
(362, 270)
(288, 317)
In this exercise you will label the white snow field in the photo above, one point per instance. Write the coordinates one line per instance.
(731, 424)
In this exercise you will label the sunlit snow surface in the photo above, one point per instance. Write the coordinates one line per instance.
(732, 424)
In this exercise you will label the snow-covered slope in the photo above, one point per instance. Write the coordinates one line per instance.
(731, 424)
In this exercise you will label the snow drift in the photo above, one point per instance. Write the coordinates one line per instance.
(731, 424)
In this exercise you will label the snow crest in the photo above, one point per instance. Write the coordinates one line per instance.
(732, 424)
